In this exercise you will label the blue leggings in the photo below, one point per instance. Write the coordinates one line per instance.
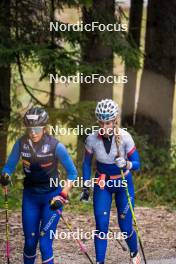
(35, 216)
(102, 205)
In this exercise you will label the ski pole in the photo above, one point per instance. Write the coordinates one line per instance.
(7, 225)
(124, 248)
(134, 218)
(79, 242)
(118, 141)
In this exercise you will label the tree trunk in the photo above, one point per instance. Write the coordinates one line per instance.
(5, 74)
(53, 46)
(94, 50)
(134, 35)
(155, 106)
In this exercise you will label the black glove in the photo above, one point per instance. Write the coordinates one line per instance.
(57, 204)
(5, 179)
(85, 194)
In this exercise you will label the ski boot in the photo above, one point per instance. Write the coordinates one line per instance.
(136, 259)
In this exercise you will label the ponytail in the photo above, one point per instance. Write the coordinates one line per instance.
(117, 134)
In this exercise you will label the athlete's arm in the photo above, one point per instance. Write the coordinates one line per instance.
(86, 172)
(66, 161)
(132, 153)
(87, 165)
(13, 159)
(134, 159)
(87, 160)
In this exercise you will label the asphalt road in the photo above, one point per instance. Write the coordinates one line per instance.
(162, 261)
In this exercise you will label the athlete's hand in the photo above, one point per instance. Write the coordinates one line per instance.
(5, 179)
(85, 194)
(58, 201)
(121, 162)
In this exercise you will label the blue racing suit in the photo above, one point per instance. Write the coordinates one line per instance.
(40, 161)
(105, 151)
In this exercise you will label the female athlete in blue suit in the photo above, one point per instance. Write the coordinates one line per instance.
(40, 154)
(103, 145)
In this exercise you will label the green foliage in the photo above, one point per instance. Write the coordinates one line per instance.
(156, 178)
(154, 159)
(14, 197)
(29, 38)
(81, 113)
(157, 190)
(62, 61)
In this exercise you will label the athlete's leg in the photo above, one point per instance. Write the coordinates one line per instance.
(31, 222)
(125, 216)
(102, 205)
(48, 228)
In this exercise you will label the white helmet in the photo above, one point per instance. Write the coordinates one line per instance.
(106, 110)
